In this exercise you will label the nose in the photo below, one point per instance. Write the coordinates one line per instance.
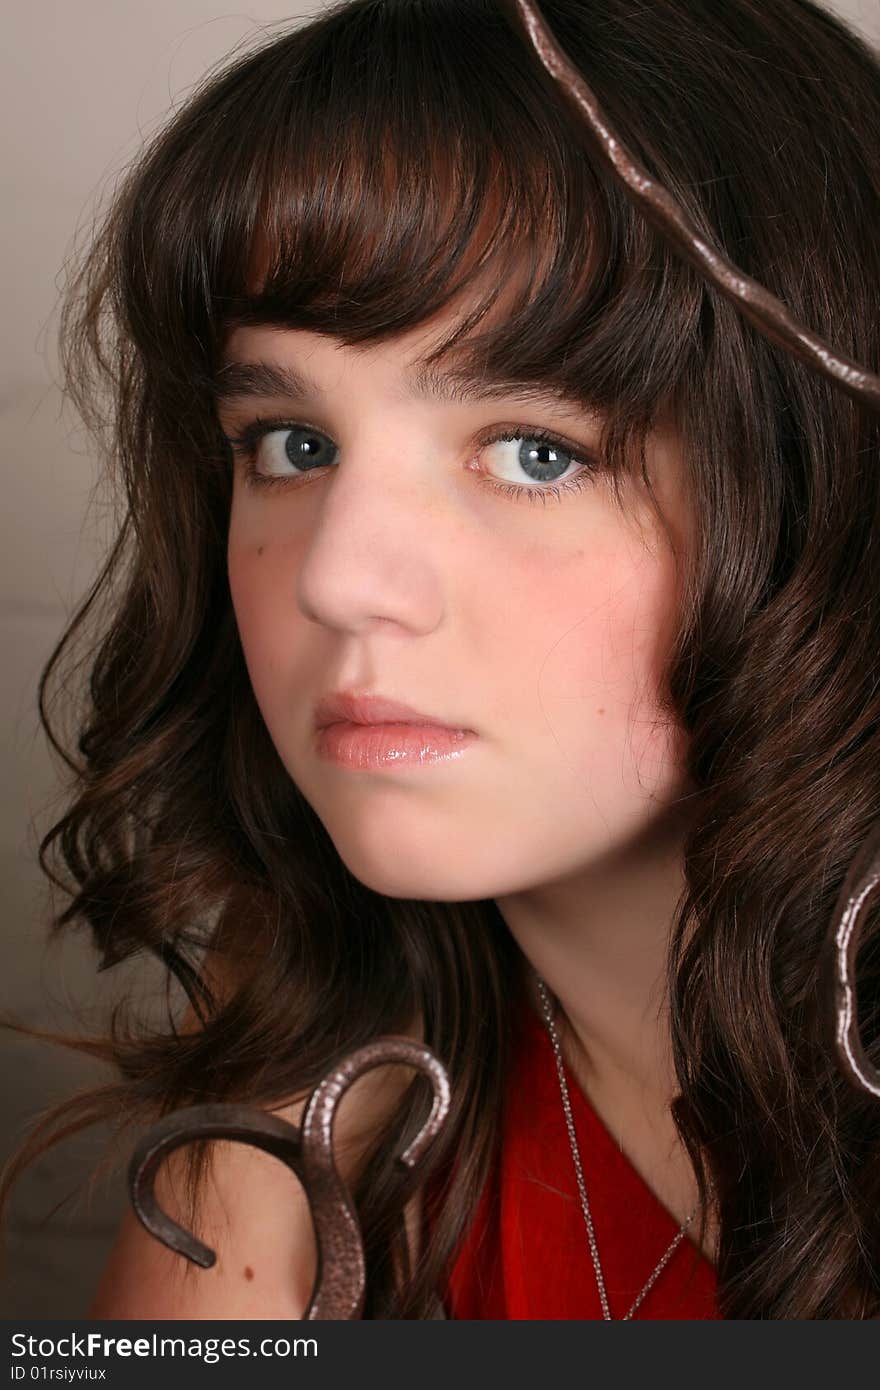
(378, 547)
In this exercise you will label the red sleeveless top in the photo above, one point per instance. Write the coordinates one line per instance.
(527, 1256)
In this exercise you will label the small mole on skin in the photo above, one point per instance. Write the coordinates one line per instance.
(259, 550)
(248, 1272)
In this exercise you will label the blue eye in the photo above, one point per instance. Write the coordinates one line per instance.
(306, 449)
(544, 457)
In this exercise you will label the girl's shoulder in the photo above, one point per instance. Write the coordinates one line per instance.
(251, 1210)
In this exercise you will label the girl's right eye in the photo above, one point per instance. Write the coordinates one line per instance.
(305, 448)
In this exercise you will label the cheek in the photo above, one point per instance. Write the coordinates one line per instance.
(261, 585)
(592, 634)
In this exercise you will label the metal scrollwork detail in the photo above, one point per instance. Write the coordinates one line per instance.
(307, 1150)
(757, 304)
(838, 963)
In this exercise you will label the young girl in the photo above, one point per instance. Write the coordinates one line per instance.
(414, 406)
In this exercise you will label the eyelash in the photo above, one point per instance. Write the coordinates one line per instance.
(245, 444)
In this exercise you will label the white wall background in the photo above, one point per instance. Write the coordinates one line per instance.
(82, 84)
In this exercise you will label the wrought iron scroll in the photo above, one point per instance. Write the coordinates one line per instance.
(307, 1150)
(758, 305)
(838, 966)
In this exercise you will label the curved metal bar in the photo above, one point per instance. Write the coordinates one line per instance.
(758, 305)
(212, 1121)
(307, 1150)
(838, 965)
(326, 1191)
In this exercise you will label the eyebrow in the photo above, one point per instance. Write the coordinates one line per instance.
(240, 380)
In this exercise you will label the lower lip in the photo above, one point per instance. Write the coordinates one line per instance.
(370, 746)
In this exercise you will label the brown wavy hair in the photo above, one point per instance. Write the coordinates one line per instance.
(360, 148)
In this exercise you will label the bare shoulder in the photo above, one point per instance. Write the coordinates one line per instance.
(252, 1212)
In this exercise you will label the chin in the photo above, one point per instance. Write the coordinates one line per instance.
(420, 882)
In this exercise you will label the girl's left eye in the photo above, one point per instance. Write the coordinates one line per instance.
(542, 456)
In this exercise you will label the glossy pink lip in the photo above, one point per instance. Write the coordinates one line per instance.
(347, 707)
(379, 747)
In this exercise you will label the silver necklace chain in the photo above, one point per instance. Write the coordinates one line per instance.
(591, 1234)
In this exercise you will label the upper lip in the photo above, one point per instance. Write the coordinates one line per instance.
(346, 706)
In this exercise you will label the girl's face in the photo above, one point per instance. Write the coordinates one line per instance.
(421, 562)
